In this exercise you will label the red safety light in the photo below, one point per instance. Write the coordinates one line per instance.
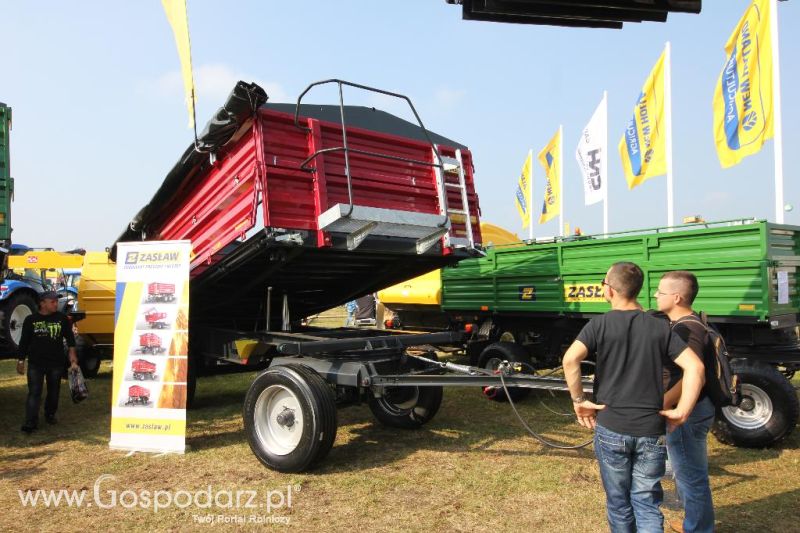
(468, 328)
(3, 288)
(388, 324)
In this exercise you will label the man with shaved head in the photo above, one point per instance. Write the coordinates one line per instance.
(631, 348)
(686, 446)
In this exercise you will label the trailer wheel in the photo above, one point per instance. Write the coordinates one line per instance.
(406, 407)
(290, 418)
(88, 357)
(768, 411)
(490, 359)
(17, 309)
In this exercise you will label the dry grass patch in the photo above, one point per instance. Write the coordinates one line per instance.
(471, 469)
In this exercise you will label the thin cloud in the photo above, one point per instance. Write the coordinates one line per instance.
(448, 97)
(718, 196)
(213, 83)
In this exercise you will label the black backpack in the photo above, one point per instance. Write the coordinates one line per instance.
(722, 385)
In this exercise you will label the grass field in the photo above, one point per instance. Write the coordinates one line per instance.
(472, 468)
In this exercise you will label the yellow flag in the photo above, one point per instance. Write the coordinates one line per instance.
(549, 158)
(522, 197)
(176, 14)
(743, 95)
(643, 146)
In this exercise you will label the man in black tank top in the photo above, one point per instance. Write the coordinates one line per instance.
(631, 348)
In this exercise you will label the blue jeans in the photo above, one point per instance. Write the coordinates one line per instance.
(631, 469)
(686, 447)
(36, 378)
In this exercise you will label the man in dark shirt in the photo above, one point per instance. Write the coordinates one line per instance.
(42, 343)
(631, 348)
(686, 446)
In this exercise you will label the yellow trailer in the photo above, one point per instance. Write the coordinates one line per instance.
(96, 299)
(416, 303)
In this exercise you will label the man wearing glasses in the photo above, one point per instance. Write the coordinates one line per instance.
(631, 348)
(686, 445)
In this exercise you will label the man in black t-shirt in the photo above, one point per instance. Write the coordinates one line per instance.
(686, 446)
(42, 342)
(631, 348)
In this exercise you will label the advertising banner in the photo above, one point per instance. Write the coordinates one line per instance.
(643, 146)
(549, 157)
(522, 196)
(151, 340)
(592, 150)
(743, 95)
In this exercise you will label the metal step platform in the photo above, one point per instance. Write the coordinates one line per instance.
(357, 222)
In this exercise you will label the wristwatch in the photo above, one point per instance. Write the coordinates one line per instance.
(579, 399)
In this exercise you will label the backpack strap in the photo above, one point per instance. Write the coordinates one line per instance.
(690, 318)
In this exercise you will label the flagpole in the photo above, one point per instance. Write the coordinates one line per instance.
(604, 164)
(561, 179)
(530, 196)
(668, 131)
(777, 123)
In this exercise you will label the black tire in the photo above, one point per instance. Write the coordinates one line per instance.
(493, 355)
(88, 357)
(406, 407)
(15, 310)
(191, 380)
(278, 443)
(768, 412)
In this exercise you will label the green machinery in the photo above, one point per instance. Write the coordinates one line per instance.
(6, 181)
(527, 302)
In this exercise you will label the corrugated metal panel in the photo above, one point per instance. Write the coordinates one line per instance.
(376, 181)
(219, 207)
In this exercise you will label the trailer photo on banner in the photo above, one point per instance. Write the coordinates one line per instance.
(148, 405)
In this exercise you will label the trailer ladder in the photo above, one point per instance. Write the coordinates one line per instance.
(453, 166)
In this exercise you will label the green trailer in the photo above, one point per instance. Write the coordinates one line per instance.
(6, 181)
(528, 301)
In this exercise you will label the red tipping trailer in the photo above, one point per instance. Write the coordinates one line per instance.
(292, 210)
(321, 203)
(143, 369)
(150, 343)
(155, 319)
(160, 292)
(138, 395)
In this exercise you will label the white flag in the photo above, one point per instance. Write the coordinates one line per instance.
(591, 153)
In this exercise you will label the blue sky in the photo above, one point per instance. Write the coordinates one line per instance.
(99, 116)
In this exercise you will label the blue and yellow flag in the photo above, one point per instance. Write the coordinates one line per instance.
(179, 20)
(522, 197)
(549, 158)
(743, 95)
(643, 146)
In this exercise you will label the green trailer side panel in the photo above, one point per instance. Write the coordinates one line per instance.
(737, 266)
(6, 181)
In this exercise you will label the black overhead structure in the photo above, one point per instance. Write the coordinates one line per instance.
(576, 13)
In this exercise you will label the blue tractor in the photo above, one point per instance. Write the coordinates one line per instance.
(28, 273)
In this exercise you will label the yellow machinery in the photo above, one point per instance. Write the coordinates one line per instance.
(415, 303)
(45, 260)
(96, 288)
(24, 277)
(96, 299)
